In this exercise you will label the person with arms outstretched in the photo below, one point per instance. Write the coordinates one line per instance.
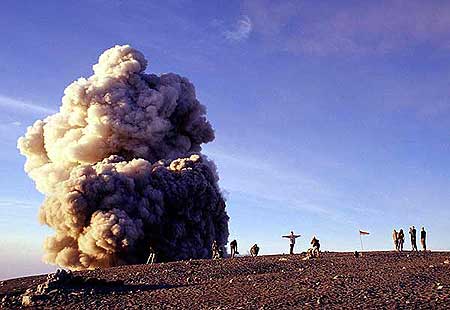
(292, 238)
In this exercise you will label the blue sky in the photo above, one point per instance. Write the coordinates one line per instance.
(329, 117)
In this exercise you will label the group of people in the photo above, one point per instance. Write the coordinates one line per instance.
(217, 251)
(399, 239)
(314, 251)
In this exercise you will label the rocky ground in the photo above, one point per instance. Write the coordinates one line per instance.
(378, 280)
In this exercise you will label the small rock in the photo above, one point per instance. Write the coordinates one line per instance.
(231, 281)
(27, 300)
(440, 287)
(337, 277)
(446, 261)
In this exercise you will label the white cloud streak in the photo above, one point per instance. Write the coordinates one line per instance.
(17, 204)
(381, 27)
(241, 30)
(28, 107)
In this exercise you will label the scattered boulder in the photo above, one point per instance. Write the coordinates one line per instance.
(62, 281)
(30, 297)
(27, 300)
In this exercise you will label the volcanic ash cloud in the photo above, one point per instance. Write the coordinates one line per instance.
(121, 168)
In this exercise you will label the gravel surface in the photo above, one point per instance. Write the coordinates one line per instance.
(377, 280)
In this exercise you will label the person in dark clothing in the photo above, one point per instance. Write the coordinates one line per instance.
(314, 251)
(423, 238)
(233, 248)
(254, 250)
(401, 240)
(413, 233)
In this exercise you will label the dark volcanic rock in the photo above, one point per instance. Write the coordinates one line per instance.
(335, 280)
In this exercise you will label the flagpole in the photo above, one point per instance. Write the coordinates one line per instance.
(360, 238)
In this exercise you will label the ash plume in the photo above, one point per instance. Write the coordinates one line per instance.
(120, 167)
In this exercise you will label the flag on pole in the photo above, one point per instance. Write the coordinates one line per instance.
(362, 233)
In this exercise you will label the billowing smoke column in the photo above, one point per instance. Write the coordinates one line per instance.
(121, 170)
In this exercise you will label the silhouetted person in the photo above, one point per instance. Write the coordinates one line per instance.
(292, 238)
(413, 233)
(401, 240)
(423, 238)
(314, 251)
(221, 252)
(395, 239)
(151, 256)
(254, 250)
(215, 250)
(356, 254)
(233, 248)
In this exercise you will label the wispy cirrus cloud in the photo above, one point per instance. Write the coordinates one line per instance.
(17, 204)
(241, 30)
(280, 186)
(345, 28)
(25, 106)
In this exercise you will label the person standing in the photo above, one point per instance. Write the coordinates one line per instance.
(215, 250)
(423, 238)
(395, 239)
(401, 240)
(413, 233)
(292, 238)
(233, 247)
